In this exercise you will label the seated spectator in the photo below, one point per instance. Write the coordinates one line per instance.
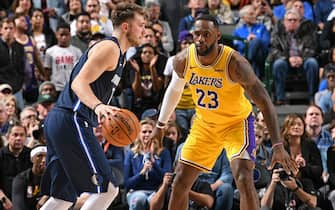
(26, 185)
(257, 36)
(201, 196)
(44, 104)
(325, 99)
(11, 108)
(144, 168)
(14, 158)
(29, 120)
(263, 155)
(286, 192)
(61, 58)
(293, 48)
(5, 90)
(48, 87)
(4, 120)
(221, 11)
(322, 9)
(280, 10)
(331, 60)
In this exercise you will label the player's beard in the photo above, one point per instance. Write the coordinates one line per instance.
(131, 39)
(207, 51)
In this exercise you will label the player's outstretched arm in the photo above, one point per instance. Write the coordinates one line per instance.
(240, 71)
(172, 94)
(102, 57)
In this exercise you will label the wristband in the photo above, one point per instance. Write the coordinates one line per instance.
(95, 106)
(160, 125)
(295, 189)
(277, 144)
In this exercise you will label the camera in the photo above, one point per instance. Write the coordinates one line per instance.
(283, 175)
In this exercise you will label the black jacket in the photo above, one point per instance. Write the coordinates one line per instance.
(12, 64)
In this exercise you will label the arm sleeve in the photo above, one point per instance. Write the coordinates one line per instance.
(171, 97)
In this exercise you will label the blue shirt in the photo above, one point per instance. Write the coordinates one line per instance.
(279, 11)
(323, 142)
(133, 165)
(257, 29)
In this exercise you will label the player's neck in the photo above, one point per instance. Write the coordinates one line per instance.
(211, 57)
(123, 42)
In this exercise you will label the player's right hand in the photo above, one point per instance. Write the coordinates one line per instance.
(103, 111)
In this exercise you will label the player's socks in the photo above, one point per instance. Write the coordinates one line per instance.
(56, 204)
(102, 200)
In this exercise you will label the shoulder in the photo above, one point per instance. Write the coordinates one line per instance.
(179, 61)
(105, 46)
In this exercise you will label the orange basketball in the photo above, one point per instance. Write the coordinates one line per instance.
(121, 129)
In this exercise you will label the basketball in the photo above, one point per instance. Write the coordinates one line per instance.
(121, 129)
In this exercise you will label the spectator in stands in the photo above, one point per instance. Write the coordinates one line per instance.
(74, 8)
(145, 167)
(327, 37)
(319, 135)
(263, 154)
(322, 9)
(26, 185)
(11, 67)
(11, 108)
(48, 87)
(147, 80)
(293, 48)
(221, 11)
(220, 180)
(158, 30)
(14, 158)
(264, 13)
(61, 58)
(53, 11)
(187, 22)
(308, 159)
(99, 23)
(23, 6)
(201, 196)
(286, 192)
(29, 120)
(257, 36)
(44, 105)
(325, 98)
(154, 12)
(30, 86)
(185, 109)
(4, 119)
(172, 137)
(43, 36)
(266, 135)
(5, 90)
(279, 11)
(83, 34)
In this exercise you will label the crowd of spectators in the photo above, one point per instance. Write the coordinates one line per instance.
(42, 40)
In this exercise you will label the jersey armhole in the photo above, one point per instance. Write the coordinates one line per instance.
(228, 60)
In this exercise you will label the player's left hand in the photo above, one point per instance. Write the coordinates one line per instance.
(281, 156)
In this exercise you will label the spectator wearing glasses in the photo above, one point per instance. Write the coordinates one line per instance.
(29, 120)
(293, 49)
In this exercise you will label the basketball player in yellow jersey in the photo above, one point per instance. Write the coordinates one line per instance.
(218, 77)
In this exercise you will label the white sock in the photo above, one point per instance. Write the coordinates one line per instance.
(101, 201)
(56, 204)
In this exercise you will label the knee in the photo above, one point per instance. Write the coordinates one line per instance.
(138, 202)
(279, 65)
(225, 190)
(312, 63)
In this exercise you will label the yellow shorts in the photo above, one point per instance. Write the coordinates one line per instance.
(205, 143)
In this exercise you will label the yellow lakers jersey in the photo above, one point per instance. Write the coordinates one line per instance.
(218, 99)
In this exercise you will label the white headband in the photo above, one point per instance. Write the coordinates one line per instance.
(38, 150)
